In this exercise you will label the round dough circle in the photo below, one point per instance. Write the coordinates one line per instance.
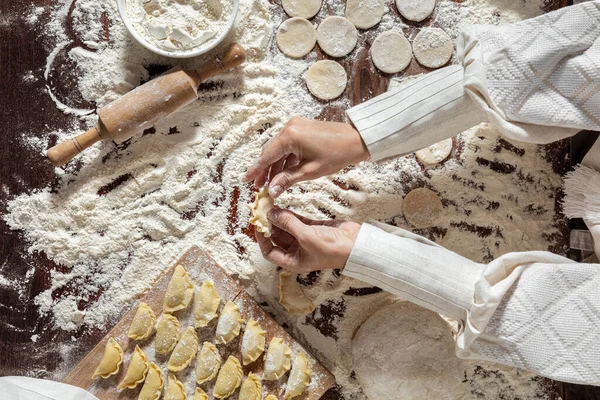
(364, 14)
(433, 47)
(404, 351)
(391, 52)
(414, 10)
(337, 36)
(326, 79)
(301, 8)
(436, 153)
(296, 37)
(422, 207)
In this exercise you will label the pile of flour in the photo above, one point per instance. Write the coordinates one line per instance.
(127, 211)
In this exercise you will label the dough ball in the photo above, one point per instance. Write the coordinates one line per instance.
(296, 37)
(326, 79)
(422, 208)
(301, 8)
(337, 36)
(433, 47)
(436, 153)
(415, 10)
(404, 351)
(364, 14)
(391, 52)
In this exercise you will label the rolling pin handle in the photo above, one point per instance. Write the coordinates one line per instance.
(64, 152)
(235, 56)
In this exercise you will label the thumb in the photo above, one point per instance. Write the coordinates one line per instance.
(288, 222)
(285, 179)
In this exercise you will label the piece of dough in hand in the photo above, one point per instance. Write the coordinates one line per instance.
(436, 153)
(433, 47)
(391, 52)
(301, 8)
(296, 37)
(326, 79)
(364, 14)
(415, 10)
(422, 208)
(337, 36)
(262, 203)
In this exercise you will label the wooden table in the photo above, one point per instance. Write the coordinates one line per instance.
(27, 111)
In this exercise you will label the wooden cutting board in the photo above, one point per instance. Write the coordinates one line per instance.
(200, 267)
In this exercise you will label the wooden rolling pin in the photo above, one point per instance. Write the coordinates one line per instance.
(141, 108)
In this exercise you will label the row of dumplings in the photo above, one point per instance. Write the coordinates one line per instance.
(184, 348)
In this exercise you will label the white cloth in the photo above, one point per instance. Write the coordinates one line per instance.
(536, 81)
(22, 388)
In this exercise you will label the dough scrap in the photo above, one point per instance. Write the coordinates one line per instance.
(153, 386)
(391, 52)
(200, 394)
(296, 37)
(299, 377)
(206, 304)
(337, 36)
(137, 370)
(209, 362)
(175, 389)
(251, 388)
(326, 79)
(111, 360)
(436, 153)
(291, 295)
(230, 323)
(414, 10)
(143, 322)
(364, 14)
(432, 47)
(424, 366)
(278, 360)
(229, 379)
(253, 342)
(168, 333)
(179, 292)
(258, 211)
(422, 208)
(184, 351)
(301, 8)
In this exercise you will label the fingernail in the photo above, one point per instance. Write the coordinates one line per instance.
(275, 191)
(273, 214)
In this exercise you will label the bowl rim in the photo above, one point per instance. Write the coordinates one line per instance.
(122, 8)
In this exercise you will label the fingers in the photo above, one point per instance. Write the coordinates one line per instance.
(282, 238)
(285, 179)
(288, 222)
(275, 254)
(273, 150)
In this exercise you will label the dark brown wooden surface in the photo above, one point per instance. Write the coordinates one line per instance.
(27, 111)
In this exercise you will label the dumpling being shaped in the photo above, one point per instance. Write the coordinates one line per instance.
(153, 386)
(230, 323)
(184, 351)
(208, 364)
(253, 342)
(299, 377)
(229, 379)
(200, 394)
(137, 370)
(206, 304)
(179, 292)
(168, 333)
(143, 322)
(262, 203)
(291, 295)
(278, 360)
(111, 360)
(251, 388)
(175, 389)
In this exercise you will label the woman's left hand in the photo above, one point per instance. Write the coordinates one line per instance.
(301, 245)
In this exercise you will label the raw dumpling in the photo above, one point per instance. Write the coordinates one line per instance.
(278, 360)
(206, 304)
(136, 372)
(253, 342)
(251, 388)
(259, 208)
(179, 292)
(175, 389)
(208, 363)
(153, 385)
(185, 350)
(111, 360)
(271, 397)
(168, 333)
(200, 394)
(291, 295)
(143, 322)
(229, 378)
(299, 377)
(230, 323)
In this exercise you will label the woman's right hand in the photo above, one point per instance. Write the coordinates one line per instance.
(304, 150)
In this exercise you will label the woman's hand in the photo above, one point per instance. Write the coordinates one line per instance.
(300, 244)
(304, 150)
